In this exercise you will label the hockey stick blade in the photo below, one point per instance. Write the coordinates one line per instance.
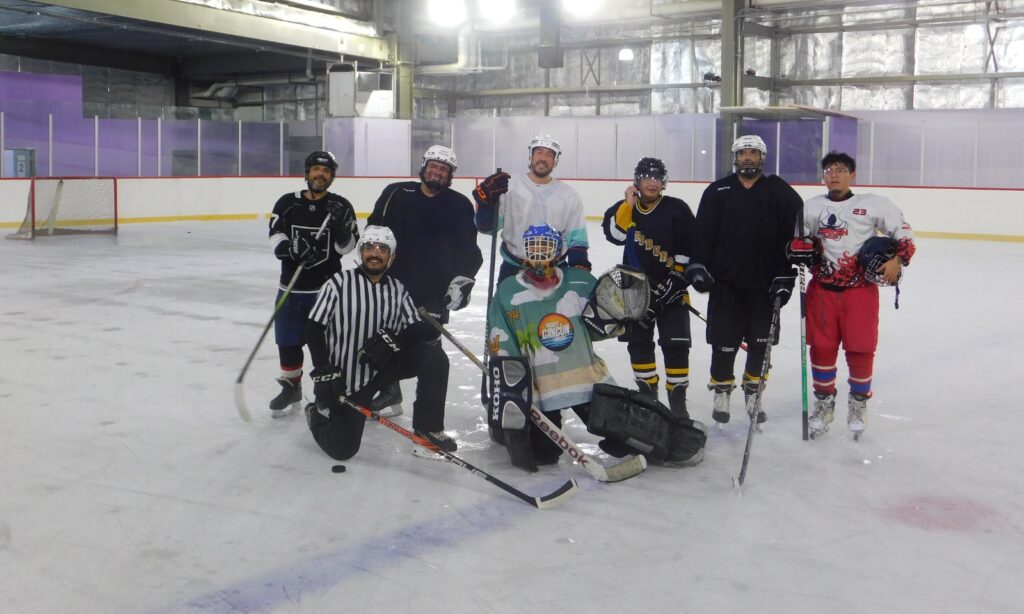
(562, 494)
(240, 405)
(615, 473)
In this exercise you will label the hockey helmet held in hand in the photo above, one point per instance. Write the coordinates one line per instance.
(650, 168)
(875, 252)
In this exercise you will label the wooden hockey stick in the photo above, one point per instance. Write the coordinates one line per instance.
(548, 501)
(240, 405)
(614, 473)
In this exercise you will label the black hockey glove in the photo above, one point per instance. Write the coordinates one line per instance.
(804, 251)
(669, 291)
(379, 349)
(782, 287)
(699, 277)
(492, 187)
(328, 386)
(457, 296)
(343, 221)
(305, 251)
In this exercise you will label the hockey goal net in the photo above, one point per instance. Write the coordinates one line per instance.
(70, 205)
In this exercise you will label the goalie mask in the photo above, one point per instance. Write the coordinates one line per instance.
(875, 252)
(749, 168)
(542, 246)
(621, 295)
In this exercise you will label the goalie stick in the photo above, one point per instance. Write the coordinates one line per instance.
(548, 501)
(240, 405)
(613, 473)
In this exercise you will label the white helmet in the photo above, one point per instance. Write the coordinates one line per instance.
(546, 141)
(440, 153)
(377, 234)
(750, 141)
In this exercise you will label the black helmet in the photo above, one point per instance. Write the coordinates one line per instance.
(650, 167)
(321, 158)
(875, 252)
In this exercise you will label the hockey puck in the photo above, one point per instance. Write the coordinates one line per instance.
(338, 469)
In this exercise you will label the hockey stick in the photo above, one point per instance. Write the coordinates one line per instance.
(755, 404)
(240, 405)
(490, 296)
(558, 496)
(614, 473)
(803, 353)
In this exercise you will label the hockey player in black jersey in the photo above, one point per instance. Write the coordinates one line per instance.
(656, 232)
(744, 222)
(440, 258)
(294, 224)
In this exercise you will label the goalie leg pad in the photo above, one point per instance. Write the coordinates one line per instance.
(620, 295)
(632, 419)
(511, 396)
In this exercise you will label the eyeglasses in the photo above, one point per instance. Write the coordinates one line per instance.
(836, 170)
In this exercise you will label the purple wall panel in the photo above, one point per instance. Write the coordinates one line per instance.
(800, 150)
(149, 150)
(38, 87)
(26, 126)
(842, 135)
(178, 145)
(73, 146)
(261, 146)
(219, 149)
(119, 144)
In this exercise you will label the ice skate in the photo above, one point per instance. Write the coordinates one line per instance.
(824, 412)
(749, 395)
(289, 400)
(388, 402)
(720, 409)
(857, 415)
(646, 389)
(439, 439)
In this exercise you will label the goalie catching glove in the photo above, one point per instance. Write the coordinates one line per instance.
(620, 295)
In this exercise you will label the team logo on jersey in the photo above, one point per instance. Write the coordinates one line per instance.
(831, 225)
(555, 332)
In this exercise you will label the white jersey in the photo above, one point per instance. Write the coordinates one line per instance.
(554, 203)
(843, 227)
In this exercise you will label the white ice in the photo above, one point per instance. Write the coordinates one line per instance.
(129, 483)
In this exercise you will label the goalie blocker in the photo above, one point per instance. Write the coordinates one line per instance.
(643, 425)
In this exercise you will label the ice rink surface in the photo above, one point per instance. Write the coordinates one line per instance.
(129, 483)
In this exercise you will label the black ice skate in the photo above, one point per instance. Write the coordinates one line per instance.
(439, 439)
(289, 400)
(388, 402)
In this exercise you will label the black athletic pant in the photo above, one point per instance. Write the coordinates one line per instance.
(341, 434)
(736, 315)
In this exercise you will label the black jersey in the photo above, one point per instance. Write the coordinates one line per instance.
(741, 234)
(436, 240)
(296, 215)
(656, 237)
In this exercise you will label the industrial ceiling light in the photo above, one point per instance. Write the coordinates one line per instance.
(447, 13)
(497, 11)
(625, 54)
(581, 8)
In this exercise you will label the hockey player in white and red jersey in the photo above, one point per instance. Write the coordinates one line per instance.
(849, 260)
(532, 199)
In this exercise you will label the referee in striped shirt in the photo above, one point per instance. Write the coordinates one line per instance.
(363, 334)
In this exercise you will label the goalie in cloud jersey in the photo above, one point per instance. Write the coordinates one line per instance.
(655, 231)
(544, 320)
(294, 224)
(849, 261)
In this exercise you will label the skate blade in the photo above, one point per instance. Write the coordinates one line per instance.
(421, 452)
(281, 413)
(392, 411)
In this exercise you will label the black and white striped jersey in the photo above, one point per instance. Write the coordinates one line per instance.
(352, 308)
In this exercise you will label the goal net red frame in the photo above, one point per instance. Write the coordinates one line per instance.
(69, 205)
